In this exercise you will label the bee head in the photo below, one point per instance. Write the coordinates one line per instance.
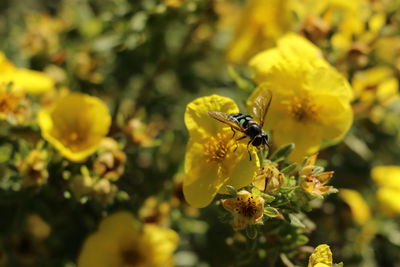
(259, 140)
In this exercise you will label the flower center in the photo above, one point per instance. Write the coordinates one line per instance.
(247, 208)
(303, 109)
(131, 257)
(218, 148)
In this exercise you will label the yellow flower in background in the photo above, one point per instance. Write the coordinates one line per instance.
(387, 179)
(213, 158)
(247, 209)
(376, 89)
(33, 168)
(75, 124)
(120, 241)
(311, 101)
(28, 81)
(42, 35)
(261, 24)
(376, 84)
(358, 207)
(14, 106)
(321, 257)
(312, 181)
(288, 47)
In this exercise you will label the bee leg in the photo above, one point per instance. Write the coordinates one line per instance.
(236, 143)
(248, 150)
(234, 132)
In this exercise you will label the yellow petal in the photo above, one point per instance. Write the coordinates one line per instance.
(241, 168)
(336, 117)
(29, 81)
(306, 137)
(202, 181)
(359, 208)
(239, 222)
(99, 250)
(322, 254)
(327, 81)
(388, 176)
(389, 201)
(197, 120)
(230, 204)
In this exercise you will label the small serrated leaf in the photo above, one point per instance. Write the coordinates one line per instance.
(256, 191)
(295, 221)
(267, 198)
(271, 212)
(282, 152)
(231, 190)
(287, 170)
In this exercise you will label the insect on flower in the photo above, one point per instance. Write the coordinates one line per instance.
(246, 124)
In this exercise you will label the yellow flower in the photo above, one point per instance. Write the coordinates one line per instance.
(321, 257)
(75, 124)
(388, 180)
(14, 106)
(247, 209)
(33, 168)
(310, 105)
(154, 211)
(42, 35)
(110, 163)
(268, 178)
(314, 182)
(29, 81)
(213, 158)
(119, 241)
(376, 84)
(359, 208)
(261, 24)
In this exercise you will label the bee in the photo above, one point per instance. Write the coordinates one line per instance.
(245, 124)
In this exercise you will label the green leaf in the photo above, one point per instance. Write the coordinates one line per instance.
(295, 221)
(256, 191)
(267, 198)
(231, 190)
(5, 153)
(251, 231)
(301, 240)
(282, 152)
(340, 264)
(271, 212)
(287, 170)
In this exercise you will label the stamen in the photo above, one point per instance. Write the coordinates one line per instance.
(303, 109)
(218, 148)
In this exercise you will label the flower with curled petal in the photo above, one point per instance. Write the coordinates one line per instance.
(313, 181)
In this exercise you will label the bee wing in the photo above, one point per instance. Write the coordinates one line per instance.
(261, 106)
(225, 118)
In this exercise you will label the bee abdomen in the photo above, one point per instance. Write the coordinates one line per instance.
(242, 119)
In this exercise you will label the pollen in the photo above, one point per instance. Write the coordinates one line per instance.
(303, 109)
(218, 148)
